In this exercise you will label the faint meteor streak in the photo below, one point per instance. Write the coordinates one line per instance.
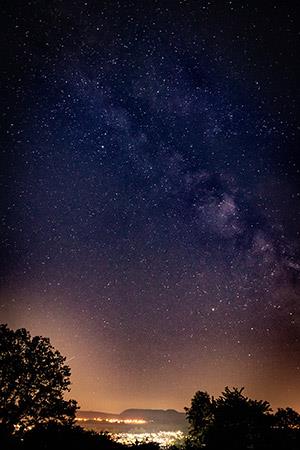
(70, 359)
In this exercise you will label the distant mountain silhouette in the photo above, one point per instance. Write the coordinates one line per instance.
(157, 415)
(156, 419)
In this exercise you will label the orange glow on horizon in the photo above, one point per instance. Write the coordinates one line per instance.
(113, 420)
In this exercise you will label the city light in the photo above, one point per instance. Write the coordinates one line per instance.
(113, 420)
(164, 438)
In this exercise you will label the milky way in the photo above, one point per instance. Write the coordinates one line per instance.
(150, 211)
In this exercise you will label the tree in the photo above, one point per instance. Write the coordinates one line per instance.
(287, 418)
(200, 416)
(33, 380)
(56, 436)
(240, 422)
(230, 421)
(286, 429)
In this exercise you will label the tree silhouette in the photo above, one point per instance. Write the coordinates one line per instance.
(200, 416)
(33, 380)
(240, 422)
(287, 418)
(56, 436)
(231, 421)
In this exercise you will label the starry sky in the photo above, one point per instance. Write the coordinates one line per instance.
(150, 193)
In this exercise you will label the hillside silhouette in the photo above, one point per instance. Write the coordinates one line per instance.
(34, 414)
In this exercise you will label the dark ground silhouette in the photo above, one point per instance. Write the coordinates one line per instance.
(35, 416)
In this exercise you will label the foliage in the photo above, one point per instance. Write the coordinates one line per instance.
(287, 418)
(144, 446)
(52, 436)
(33, 380)
(236, 422)
(200, 416)
(35, 416)
(239, 422)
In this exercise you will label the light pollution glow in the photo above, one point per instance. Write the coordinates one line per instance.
(112, 420)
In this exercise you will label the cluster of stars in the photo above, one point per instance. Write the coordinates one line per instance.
(151, 213)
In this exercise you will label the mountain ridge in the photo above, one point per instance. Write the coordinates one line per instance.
(133, 413)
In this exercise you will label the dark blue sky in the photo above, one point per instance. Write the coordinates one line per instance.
(151, 195)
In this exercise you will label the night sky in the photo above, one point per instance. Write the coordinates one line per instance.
(150, 195)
